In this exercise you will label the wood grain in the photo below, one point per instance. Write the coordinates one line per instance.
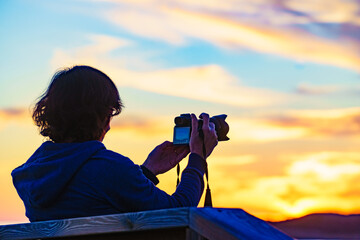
(159, 219)
(218, 224)
(176, 223)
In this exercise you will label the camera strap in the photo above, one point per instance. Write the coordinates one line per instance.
(178, 174)
(208, 200)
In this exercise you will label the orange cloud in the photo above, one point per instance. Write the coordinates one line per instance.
(326, 166)
(261, 131)
(296, 124)
(142, 125)
(13, 115)
(315, 182)
(340, 122)
(176, 24)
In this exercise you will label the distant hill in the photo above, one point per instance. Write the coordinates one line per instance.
(322, 226)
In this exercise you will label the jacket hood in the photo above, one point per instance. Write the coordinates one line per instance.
(44, 176)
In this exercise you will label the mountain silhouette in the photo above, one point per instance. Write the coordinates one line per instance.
(322, 226)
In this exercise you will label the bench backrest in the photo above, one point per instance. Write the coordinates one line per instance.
(177, 223)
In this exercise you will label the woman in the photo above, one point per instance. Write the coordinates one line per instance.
(74, 175)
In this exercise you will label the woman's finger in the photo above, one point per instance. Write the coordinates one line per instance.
(205, 118)
(194, 124)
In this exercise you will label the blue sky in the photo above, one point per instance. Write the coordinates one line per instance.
(31, 31)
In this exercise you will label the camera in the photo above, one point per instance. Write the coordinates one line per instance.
(182, 129)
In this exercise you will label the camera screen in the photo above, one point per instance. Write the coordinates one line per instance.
(181, 135)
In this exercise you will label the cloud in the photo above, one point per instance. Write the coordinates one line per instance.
(327, 166)
(294, 12)
(313, 182)
(310, 89)
(261, 131)
(11, 112)
(145, 126)
(322, 179)
(336, 11)
(325, 123)
(13, 115)
(209, 83)
(235, 160)
(89, 53)
(295, 125)
(177, 23)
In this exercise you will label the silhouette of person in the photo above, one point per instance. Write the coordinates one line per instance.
(72, 174)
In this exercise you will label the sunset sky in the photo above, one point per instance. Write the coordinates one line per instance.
(286, 72)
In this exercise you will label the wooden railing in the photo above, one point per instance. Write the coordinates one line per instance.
(177, 223)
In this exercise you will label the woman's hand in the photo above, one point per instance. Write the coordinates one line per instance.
(209, 136)
(165, 156)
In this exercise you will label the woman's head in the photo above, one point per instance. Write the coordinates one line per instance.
(77, 105)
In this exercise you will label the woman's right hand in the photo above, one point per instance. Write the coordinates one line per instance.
(210, 138)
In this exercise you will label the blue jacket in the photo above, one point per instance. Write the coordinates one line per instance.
(66, 180)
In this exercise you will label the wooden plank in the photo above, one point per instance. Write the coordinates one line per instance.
(231, 224)
(147, 220)
(192, 223)
(162, 234)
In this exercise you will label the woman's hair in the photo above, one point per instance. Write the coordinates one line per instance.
(77, 105)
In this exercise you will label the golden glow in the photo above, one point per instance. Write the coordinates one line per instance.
(322, 167)
(253, 130)
(272, 186)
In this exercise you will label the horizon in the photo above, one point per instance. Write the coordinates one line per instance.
(285, 72)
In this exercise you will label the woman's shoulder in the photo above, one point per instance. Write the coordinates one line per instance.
(113, 158)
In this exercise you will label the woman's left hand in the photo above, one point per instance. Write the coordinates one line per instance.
(165, 156)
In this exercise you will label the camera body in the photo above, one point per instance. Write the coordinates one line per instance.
(182, 129)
